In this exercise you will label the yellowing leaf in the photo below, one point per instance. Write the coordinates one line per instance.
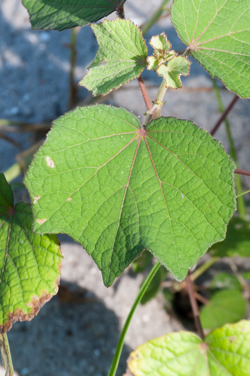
(224, 352)
(30, 264)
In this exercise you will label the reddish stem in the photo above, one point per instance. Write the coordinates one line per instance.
(224, 115)
(241, 172)
(194, 306)
(145, 93)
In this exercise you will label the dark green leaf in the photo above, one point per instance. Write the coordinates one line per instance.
(64, 14)
(237, 242)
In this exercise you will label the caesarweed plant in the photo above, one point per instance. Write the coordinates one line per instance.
(120, 187)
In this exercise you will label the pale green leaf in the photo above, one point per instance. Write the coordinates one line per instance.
(171, 72)
(224, 352)
(237, 242)
(118, 189)
(226, 306)
(30, 264)
(64, 14)
(218, 36)
(225, 280)
(152, 63)
(160, 42)
(121, 56)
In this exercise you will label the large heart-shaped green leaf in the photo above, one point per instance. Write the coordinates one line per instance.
(121, 56)
(218, 35)
(29, 264)
(224, 352)
(227, 306)
(119, 189)
(64, 14)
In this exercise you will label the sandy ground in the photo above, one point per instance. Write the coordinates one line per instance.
(80, 338)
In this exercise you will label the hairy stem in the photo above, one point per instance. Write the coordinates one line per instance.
(139, 297)
(6, 355)
(241, 203)
(224, 115)
(150, 23)
(144, 93)
(155, 111)
(194, 306)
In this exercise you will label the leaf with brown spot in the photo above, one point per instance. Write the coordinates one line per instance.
(30, 264)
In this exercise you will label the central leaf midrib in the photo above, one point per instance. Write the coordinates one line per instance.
(123, 200)
(164, 200)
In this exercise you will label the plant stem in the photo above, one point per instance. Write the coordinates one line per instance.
(120, 10)
(241, 172)
(198, 272)
(243, 193)
(144, 93)
(6, 355)
(140, 295)
(147, 26)
(241, 203)
(72, 85)
(224, 115)
(155, 111)
(194, 306)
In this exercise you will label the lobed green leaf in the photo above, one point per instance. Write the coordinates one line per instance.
(218, 36)
(225, 351)
(119, 189)
(121, 56)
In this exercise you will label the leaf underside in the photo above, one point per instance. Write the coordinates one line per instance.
(218, 36)
(65, 14)
(224, 352)
(29, 264)
(121, 56)
(227, 306)
(119, 191)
